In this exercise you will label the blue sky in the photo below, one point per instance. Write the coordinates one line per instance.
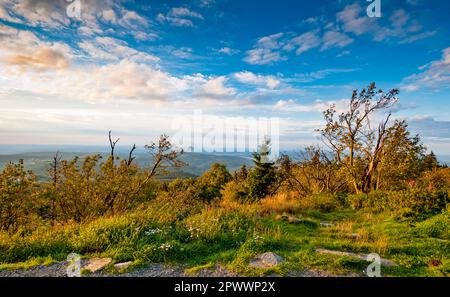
(135, 66)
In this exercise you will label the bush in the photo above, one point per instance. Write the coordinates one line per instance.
(325, 202)
(437, 226)
(235, 191)
(438, 179)
(16, 197)
(279, 203)
(377, 201)
(415, 203)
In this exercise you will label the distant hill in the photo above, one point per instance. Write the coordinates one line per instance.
(198, 163)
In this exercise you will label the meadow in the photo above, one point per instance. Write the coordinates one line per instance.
(230, 234)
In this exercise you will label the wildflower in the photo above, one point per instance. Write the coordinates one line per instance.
(152, 231)
(165, 246)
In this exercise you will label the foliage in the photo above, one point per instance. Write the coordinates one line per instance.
(16, 196)
(212, 182)
(363, 149)
(263, 176)
(412, 203)
(437, 226)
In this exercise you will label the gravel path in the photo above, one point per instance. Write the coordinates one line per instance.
(152, 270)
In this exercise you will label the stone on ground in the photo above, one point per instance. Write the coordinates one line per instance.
(123, 265)
(96, 264)
(290, 219)
(266, 260)
(384, 262)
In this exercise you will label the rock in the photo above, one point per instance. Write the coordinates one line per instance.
(96, 264)
(355, 236)
(266, 260)
(289, 219)
(123, 265)
(384, 262)
(294, 220)
(281, 218)
(325, 224)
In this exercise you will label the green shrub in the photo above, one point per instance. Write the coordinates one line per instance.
(437, 226)
(357, 201)
(414, 203)
(324, 202)
(235, 191)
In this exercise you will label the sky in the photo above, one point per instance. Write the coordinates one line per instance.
(69, 75)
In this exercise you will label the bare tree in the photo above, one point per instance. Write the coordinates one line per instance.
(54, 168)
(112, 144)
(353, 140)
(164, 155)
(130, 155)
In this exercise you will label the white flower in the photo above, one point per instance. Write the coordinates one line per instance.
(152, 231)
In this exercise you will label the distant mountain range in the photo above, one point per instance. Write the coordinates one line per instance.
(37, 158)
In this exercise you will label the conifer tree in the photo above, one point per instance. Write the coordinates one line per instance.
(262, 176)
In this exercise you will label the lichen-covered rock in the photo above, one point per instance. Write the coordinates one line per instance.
(266, 260)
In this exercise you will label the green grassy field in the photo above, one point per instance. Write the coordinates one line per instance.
(230, 234)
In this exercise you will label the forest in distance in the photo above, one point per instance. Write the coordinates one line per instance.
(370, 187)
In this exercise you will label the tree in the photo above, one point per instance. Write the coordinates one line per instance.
(241, 174)
(430, 162)
(263, 176)
(401, 159)
(356, 143)
(212, 181)
(312, 171)
(164, 155)
(16, 196)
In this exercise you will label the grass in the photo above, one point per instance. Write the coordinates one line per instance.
(230, 234)
(32, 262)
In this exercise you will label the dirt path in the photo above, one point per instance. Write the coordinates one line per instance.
(152, 270)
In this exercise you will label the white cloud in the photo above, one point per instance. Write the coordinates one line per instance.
(335, 39)
(41, 13)
(123, 80)
(131, 19)
(108, 48)
(180, 17)
(22, 50)
(5, 15)
(248, 77)
(184, 12)
(51, 14)
(263, 56)
(271, 41)
(109, 15)
(419, 36)
(319, 74)
(292, 106)
(215, 88)
(354, 20)
(228, 51)
(140, 35)
(303, 42)
(400, 26)
(435, 75)
(266, 50)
